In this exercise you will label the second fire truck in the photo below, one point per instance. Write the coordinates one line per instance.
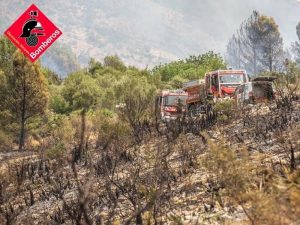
(216, 85)
(170, 104)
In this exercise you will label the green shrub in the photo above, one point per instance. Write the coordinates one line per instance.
(56, 151)
(59, 105)
(6, 141)
(108, 127)
(225, 110)
(57, 130)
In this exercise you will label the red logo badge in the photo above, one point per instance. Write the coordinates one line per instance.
(33, 33)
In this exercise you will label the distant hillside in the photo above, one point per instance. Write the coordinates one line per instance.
(150, 32)
(138, 32)
(61, 59)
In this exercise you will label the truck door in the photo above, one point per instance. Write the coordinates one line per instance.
(215, 84)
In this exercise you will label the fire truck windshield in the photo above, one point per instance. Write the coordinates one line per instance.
(232, 79)
(175, 100)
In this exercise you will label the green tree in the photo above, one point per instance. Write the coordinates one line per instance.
(7, 50)
(257, 45)
(137, 94)
(81, 93)
(271, 44)
(51, 76)
(108, 82)
(115, 62)
(57, 102)
(24, 92)
(296, 45)
(191, 68)
(94, 65)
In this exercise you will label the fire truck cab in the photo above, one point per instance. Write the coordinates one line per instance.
(222, 83)
(170, 104)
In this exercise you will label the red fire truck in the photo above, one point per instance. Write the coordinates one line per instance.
(222, 83)
(216, 84)
(170, 104)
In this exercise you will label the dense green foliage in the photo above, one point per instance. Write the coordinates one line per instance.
(194, 67)
(81, 91)
(109, 87)
(24, 93)
(6, 53)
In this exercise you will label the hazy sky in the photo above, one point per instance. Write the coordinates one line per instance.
(147, 32)
(212, 22)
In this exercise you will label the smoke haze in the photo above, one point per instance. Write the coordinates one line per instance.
(149, 32)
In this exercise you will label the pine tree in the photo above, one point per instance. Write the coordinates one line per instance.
(250, 38)
(25, 93)
(6, 53)
(257, 45)
(296, 45)
(233, 56)
(271, 43)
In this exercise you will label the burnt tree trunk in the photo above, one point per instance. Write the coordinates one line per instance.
(78, 151)
(22, 135)
(139, 219)
(23, 119)
(293, 160)
(82, 132)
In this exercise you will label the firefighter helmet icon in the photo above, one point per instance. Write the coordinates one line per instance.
(32, 28)
(33, 33)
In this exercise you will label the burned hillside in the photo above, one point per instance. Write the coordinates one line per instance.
(165, 179)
